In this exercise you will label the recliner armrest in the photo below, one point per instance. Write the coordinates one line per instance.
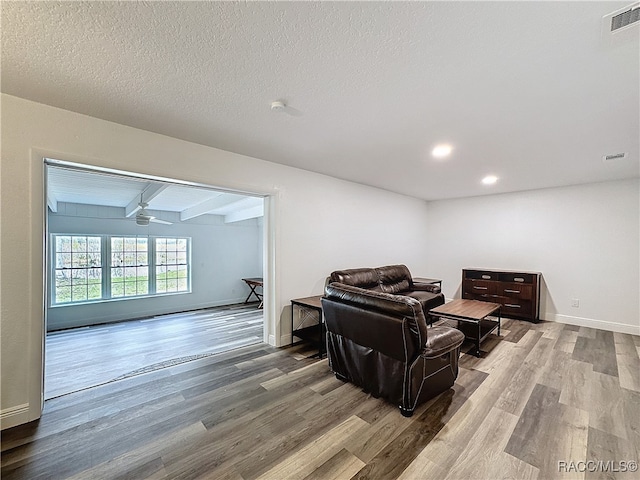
(427, 287)
(441, 340)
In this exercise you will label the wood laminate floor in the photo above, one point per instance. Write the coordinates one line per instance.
(80, 358)
(542, 394)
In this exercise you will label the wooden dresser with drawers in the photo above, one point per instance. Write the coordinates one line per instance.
(518, 292)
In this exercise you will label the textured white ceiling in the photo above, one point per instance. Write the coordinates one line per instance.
(527, 91)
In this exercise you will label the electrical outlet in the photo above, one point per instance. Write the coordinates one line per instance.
(575, 302)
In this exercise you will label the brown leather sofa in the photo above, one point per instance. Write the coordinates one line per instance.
(380, 342)
(394, 279)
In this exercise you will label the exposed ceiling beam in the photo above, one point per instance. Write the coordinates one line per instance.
(210, 205)
(151, 191)
(246, 214)
(52, 203)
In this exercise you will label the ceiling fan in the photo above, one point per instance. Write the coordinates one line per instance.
(143, 218)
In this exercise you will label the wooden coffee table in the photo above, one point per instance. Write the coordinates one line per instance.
(471, 316)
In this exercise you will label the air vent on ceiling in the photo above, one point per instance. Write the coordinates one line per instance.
(625, 18)
(614, 156)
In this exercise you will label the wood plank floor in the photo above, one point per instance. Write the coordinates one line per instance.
(539, 395)
(80, 358)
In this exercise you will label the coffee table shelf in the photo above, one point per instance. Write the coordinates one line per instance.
(472, 317)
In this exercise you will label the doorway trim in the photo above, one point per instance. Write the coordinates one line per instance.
(270, 198)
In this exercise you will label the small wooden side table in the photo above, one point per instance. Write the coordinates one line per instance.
(310, 308)
(254, 283)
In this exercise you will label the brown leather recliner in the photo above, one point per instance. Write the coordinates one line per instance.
(380, 342)
(391, 279)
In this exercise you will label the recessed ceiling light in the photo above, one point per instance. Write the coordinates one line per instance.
(441, 151)
(489, 179)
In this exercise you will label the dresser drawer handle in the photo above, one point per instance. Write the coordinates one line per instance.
(480, 288)
(511, 291)
(511, 305)
(518, 279)
(486, 277)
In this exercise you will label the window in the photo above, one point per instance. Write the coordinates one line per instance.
(103, 267)
(129, 267)
(171, 265)
(78, 268)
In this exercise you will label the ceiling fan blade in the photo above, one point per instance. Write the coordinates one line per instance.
(163, 222)
(143, 217)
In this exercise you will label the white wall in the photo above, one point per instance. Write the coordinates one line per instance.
(222, 254)
(584, 239)
(321, 224)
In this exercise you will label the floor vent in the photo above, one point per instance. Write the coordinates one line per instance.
(625, 18)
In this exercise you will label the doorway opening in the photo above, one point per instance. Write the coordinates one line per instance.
(145, 272)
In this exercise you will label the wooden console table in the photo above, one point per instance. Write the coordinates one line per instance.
(517, 291)
(310, 308)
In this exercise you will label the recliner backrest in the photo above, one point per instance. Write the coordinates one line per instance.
(391, 324)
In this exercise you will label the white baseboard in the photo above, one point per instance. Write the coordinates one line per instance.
(588, 322)
(272, 341)
(12, 416)
(551, 317)
(133, 314)
(592, 323)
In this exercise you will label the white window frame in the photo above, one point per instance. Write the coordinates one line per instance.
(136, 265)
(71, 268)
(177, 264)
(106, 284)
